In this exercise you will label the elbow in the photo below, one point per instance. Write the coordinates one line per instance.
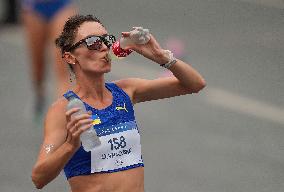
(202, 84)
(36, 180)
(38, 186)
(198, 86)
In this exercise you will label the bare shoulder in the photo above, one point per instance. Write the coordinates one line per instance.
(58, 107)
(55, 116)
(129, 85)
(126, 83)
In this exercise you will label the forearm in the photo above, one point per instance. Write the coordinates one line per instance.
(187, 79)
(46, 170)
(187, 76)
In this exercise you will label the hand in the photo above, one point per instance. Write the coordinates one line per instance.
(76, 126)
(151, 50)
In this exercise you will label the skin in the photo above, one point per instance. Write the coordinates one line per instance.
(41, 34)
(90, 67)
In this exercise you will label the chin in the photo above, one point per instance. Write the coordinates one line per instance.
(109, 66)
(106, 69)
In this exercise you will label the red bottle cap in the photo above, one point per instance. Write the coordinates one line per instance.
(118, 51)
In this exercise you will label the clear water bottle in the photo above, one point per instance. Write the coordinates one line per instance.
(138, 35)
(89, 137)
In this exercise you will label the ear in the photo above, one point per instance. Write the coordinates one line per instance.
(69, 58)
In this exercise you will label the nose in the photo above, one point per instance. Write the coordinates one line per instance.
(104, 47)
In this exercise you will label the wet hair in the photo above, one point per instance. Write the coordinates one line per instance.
(70, 29)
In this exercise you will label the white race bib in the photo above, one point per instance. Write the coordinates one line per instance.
(120, 149)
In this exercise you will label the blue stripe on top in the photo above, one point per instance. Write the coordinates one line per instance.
(103, 131)
(111, 120)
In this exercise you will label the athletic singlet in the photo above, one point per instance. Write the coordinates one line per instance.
(116, 127)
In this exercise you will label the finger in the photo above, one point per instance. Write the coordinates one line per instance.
(77, 124)
(74, 131)
(77, 118)
(70, 133)
(69, 113)
(83, 122)
(79, 131)
(125, 34)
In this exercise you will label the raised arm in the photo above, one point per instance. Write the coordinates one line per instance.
(61, 140)
(186, 79)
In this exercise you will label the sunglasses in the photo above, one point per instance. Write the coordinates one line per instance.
(94, 42)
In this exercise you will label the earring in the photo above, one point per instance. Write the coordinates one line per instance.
(70, 77)
(71, 74)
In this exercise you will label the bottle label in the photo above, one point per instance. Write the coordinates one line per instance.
(120, 148)
(118, 51)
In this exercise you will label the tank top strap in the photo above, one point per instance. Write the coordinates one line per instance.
(117, 91)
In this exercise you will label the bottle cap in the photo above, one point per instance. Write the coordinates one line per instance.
(118, 51)
(70, 95)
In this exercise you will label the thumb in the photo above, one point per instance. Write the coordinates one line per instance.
(125, 34)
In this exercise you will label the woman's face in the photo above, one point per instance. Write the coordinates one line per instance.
(91, 60)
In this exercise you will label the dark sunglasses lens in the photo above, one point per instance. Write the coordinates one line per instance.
(94, 43)
(109, 40)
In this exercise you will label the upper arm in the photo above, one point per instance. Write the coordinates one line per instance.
(141, 90)
(54, 129)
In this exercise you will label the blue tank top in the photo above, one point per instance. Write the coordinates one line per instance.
(116, 127)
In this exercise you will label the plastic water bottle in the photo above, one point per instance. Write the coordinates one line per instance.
(89, 138)
(138, 35)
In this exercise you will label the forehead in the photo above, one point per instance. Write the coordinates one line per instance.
(90, 28)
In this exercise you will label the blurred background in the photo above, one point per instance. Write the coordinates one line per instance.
(227, 138)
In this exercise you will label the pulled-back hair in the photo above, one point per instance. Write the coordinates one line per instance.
(67, 36)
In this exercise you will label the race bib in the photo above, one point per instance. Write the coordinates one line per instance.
(120, 148)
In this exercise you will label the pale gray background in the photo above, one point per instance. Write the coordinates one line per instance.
(227, 138)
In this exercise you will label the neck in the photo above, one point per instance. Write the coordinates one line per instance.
(91, 86)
